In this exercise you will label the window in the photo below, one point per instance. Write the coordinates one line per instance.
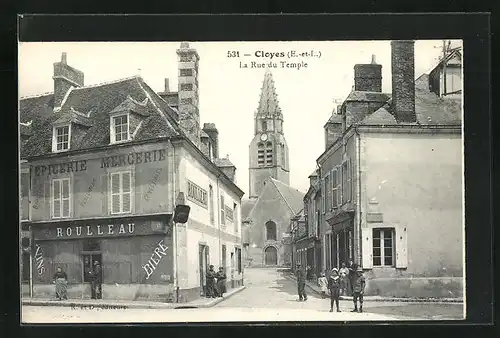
(185, 58)
(261, 154)
(119, 128)
(383, 247)
(283, 156)
(222, 210)
(186, 72)
(121, 192)
(333, 181)
(235, 217)
(211, 200)
(316, 233)
(187, 86)
(197, 194)
(60, 198)
(269, 153)
(187, 100)
(61, 138)
(344, 183)
(271, 231)
(264, 126)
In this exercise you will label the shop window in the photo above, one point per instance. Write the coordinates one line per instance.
(121, 192)
(271, 231)
(61, 198)
(383, 247)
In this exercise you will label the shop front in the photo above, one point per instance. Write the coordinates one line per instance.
(341, 239)
(135, 253)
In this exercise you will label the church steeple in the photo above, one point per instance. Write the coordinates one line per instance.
(268, 149)
(268, 116)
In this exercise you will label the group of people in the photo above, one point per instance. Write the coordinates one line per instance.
(349, 280)
(216, 282)
(95, 274)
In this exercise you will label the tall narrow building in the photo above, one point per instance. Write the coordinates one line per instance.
(268, 151)
(272, 202)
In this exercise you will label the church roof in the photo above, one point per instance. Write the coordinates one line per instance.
(246, 207)
(292, 196)
(268, 103)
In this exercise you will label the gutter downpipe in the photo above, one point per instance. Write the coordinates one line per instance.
(174, 232)
(358, 209)
(219, 220)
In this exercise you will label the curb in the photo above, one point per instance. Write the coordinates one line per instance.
(389, 299)
(118, 305)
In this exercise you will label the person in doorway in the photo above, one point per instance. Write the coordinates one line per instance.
(358, 290)
(211, 289)
(61, 281)
(323, 284)
(353, 267)
(301, 283)
(344, 280)
(221, 282)
(96, 281)
(334, 287)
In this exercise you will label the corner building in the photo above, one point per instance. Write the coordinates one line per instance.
(107, 165)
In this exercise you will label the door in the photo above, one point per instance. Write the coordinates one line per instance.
(271, 256)
(224, 254)
(202, 268)
(232, 269)
(88, 262)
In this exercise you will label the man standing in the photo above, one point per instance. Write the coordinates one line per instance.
(96, 281)
(358, 289)
(211, 288)
(301, 283)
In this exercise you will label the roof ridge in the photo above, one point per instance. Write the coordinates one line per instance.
(108, 82)
(35, 95)
(279, 191)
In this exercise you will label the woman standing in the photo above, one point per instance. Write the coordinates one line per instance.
(61, 281)
(221, 281)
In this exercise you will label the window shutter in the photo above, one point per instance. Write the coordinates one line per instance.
(66, 198)
(127, 191)
(366, 248)
(401, 247)
(56, 198)
(115, 193)
(104, 193)
(323, 195)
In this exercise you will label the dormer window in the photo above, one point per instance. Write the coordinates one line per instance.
(120, 130)
(61, 138)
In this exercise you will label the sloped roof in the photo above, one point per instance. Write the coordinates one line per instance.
(381, 116)
(293, 197)
(223, 162)
(314, 173)
(246, 207)
(362, 96)
(96, 101)
(75, 117)
(335, 118)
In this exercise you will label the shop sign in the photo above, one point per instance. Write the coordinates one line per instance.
(83, 230)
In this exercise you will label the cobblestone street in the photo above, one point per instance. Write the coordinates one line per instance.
(269, 296)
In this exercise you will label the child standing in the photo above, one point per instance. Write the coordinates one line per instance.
(344, 280)
(334, 286)
(323, 284)
(358, 289)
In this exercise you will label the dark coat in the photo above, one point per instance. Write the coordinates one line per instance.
(301, 276)
(334, 283)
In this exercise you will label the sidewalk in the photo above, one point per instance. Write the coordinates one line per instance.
(315, 288)
(125, 304)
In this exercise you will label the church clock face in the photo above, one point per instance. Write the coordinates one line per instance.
(263, 137)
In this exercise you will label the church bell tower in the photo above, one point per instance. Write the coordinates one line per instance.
(268, 150)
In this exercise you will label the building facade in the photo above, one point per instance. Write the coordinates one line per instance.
(392, 170)
(272, 202)
(108, 164)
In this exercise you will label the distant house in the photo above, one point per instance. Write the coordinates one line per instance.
(445, 78)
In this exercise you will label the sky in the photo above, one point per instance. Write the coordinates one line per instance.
(229, 94)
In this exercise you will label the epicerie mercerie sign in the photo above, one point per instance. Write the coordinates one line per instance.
(73, 231)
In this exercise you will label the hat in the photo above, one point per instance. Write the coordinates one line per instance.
(359, 269)
(96, 262)
(335, 269)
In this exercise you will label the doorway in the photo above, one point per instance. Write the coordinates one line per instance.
(203, 259)
(271, 256)
(88, 262)
(232, 269)
(224, 254)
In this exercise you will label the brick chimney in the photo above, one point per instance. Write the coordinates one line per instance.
(64, 78)
(213, 133)
(167, 86)
(403, 80)
(368, 77)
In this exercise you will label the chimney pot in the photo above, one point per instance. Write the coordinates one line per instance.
(167, 86)
(64, 58)
(374, 61)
